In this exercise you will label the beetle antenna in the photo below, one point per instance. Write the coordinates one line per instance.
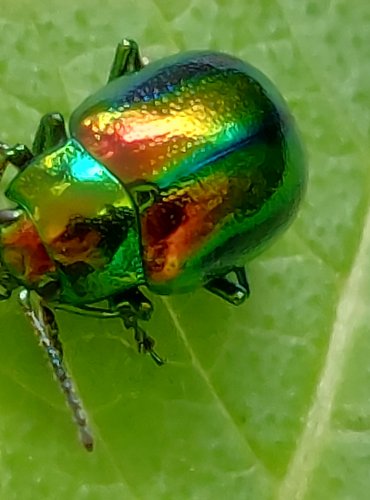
(43, 321)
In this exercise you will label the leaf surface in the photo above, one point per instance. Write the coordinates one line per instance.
(266, 401)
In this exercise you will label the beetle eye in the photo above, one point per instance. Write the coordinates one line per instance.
(8, 216)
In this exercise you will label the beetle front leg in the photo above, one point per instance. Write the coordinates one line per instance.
(234, 293)
(18, 155)
(126, 60)
(133, 306)
(50, 133)
(44, 325)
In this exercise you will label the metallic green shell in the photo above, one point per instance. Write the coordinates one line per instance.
(214, 139)
(217, 139)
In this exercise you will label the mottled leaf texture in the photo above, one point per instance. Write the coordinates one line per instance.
(267, 401)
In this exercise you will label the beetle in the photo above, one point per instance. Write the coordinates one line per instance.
(173, 175)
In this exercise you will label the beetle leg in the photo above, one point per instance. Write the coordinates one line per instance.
(126, 60)
(134, 298)
(43, 322)
(140, 304)
(132, 306)
(91, 311)
(50, 133)
(7, 284)
(234, 293)
(18, 155)
(242, 279)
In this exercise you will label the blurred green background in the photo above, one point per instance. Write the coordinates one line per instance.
(268, 401)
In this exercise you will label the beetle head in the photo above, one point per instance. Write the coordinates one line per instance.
(23, 257)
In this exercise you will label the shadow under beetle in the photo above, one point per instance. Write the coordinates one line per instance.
(172, 176)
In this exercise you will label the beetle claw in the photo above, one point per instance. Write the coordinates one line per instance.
(146, 346)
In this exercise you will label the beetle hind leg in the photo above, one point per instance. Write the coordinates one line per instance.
(133, 306)
(233, 292)
(126, 60)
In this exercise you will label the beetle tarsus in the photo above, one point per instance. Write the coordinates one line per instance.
(18, 155)
(43, 321)
(146, 344)
(50, 133)
(133, 306)
(242, 279)
(234, 293)
(126, 60)
(156, 358)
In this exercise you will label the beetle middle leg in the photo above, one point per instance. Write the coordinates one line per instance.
(50, 133)
(44, 325)
(234, 293)
(133, 306)
(126, 60)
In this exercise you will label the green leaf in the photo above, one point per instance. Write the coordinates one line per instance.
(266, 401)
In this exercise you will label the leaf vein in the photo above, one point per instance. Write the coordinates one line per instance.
(350, 309)
(220, 404)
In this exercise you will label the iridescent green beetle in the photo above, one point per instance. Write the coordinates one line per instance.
(174, 174)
